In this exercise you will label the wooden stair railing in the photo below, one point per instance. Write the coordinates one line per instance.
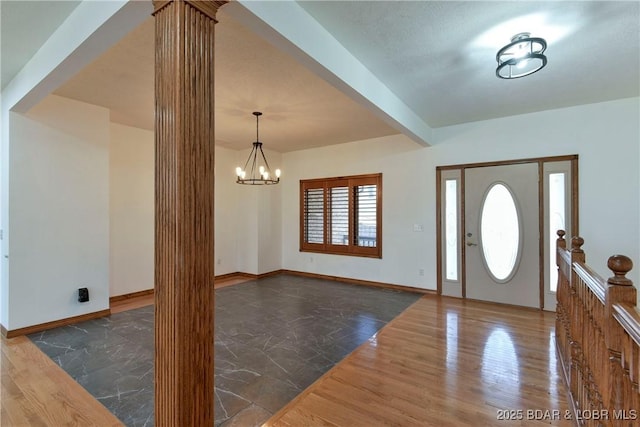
(598, 338)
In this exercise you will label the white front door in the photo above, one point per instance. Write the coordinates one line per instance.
(502, 234)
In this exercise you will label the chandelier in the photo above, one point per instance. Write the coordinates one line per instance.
(523, 56)
(259, 173)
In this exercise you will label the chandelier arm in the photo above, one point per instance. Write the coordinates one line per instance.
(254, 151)
(266, 164)
(248, 159)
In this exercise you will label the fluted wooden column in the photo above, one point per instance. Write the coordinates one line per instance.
(184, 238)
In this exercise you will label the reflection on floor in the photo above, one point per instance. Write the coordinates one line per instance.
(274, 337)
(444, 362)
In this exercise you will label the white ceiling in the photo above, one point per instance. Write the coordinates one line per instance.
(437, 57)
(299, 109)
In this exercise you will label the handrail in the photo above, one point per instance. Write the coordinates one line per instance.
(598, 338)
(596, 283)
(629, 318)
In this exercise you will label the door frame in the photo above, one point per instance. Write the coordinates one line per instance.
(540, 161)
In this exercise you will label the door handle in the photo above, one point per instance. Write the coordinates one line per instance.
(471, 244)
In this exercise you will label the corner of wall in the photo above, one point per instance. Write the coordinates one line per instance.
(58, 211)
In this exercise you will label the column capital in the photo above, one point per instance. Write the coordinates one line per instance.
(208, 7)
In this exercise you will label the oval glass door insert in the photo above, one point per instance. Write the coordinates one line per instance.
(500, 233)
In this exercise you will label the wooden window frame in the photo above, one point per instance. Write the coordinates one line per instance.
(352, 182)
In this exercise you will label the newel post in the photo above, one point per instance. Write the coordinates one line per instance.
(561, 243)
(619, 290)
(577, 254)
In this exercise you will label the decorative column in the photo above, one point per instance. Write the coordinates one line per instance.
(184, 189)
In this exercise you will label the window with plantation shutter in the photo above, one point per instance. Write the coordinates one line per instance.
(342, 215)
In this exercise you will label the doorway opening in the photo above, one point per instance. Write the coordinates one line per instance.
(496, 228)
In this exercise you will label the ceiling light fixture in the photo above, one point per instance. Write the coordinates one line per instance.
(260, 174)
(523, 56)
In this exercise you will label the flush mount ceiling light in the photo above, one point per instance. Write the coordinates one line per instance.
(260, 174)
(523, 56)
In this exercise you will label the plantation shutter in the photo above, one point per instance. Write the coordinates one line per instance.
(366, 215)
(315, 215)
(338, 218)
(312, 233)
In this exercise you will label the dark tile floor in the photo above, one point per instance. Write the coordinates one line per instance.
(274, 337)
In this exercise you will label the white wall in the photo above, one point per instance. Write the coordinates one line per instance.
(226, 211)
(58, 211)
(270, 229)
(270, 221)
(406, 201)
(259, 220)
(131, 209)
(4, 215)
(82, 212)
(247, 228)
(606, 137)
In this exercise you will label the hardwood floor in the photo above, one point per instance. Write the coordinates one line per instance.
(442, 362)
(37, 392)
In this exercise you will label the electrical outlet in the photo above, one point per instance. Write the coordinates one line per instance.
(421, 272)
(83, 295)
(219, 261)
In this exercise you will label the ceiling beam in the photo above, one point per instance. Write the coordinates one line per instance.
(90, 29)
(289, 27)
